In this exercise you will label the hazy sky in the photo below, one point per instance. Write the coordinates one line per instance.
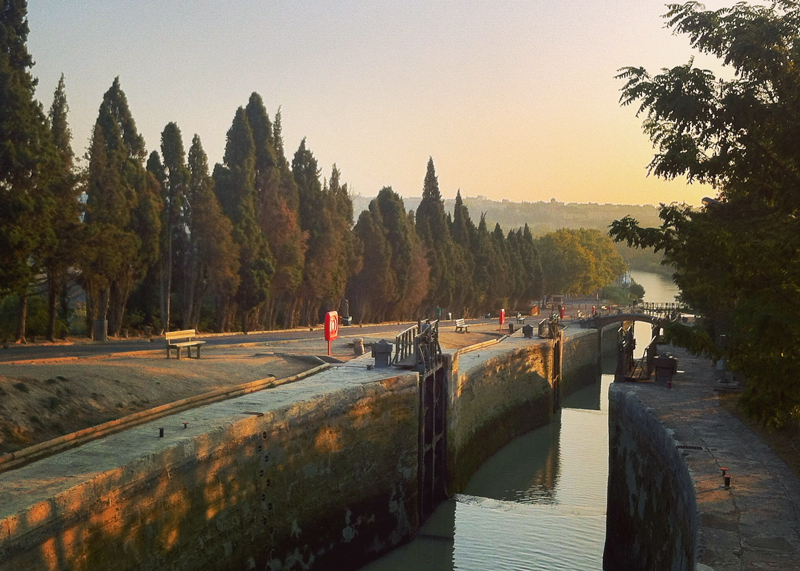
(512, 99)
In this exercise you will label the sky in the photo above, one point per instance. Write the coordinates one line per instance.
(513, 99)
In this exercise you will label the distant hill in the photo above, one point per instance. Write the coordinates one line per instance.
(544, 217)
(541, 217)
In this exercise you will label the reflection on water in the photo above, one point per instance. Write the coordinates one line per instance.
(538, 504)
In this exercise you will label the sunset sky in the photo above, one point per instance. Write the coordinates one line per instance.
(512, 99)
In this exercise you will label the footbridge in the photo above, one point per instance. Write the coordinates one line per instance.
(658, 316)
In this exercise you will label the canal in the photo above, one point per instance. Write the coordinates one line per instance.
(540, 502)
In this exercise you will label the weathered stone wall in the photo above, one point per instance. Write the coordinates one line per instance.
(493, 400)
(327, 483)
(581, 360)
(495, 396)
(652, 514)
(324, 476)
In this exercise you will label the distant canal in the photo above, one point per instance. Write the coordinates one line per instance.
(540, 502)
(657, 289)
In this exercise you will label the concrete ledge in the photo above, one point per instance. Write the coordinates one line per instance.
(652, 515)
(32, 453)
(754, 524)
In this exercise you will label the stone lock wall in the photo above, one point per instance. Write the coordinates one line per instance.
(326, 480)
(652, 513)
(493, 400)
(497, 395)
(326, 484)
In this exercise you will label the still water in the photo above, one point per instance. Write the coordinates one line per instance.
(540, 502)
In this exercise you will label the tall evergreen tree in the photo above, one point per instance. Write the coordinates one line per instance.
(280, 220)
(315, 220)
(432, 227)
(173, 189)
(122, 224)
(463, 232)
(393, 280)
(211, 258)
(28, 161)
(235, 187)
(62, 250)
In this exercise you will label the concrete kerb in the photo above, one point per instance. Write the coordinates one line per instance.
(478, 346)
(72, 440)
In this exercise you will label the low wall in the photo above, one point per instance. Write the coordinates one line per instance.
(581, 360)
(321, 474)
(652, 514)
(497, 395)
(285, 490)
(492, 399)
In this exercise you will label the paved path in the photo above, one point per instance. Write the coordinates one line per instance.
(753, 525)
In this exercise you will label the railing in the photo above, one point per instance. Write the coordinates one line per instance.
(428, 350)
(404, 344)
(670, 310)
(421, 342)
(548, 327)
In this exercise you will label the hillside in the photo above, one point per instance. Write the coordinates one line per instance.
(544, 217)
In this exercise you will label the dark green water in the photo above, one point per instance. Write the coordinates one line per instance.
(539, 503)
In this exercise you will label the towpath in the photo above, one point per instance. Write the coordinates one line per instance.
(755, 523)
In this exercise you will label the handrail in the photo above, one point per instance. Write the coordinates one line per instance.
(404, 344)
(426, 345)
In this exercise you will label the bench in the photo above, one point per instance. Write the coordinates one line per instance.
(179, 339)
(461, 324)
(520, 319)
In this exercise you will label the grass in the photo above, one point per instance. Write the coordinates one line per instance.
(785, 442)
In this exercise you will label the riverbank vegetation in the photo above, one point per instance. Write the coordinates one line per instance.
(736, 260)
(162, 239)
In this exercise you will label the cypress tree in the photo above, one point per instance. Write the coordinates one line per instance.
(62, 251)
(28, 161)
(211, 261)
(434, 231)
(173, 189)
(235, 188)
(122, 224)
(315, 220)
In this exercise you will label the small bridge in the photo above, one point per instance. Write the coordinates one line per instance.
(657, 315)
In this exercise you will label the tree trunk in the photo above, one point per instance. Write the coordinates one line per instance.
(90, 310)
(166, 284)
(22, 318)
(244, 315)
(52, 305)
(189, 288)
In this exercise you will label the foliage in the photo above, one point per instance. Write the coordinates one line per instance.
(736, 260)
(393, 279)
(434, 231)
(235, 187)
(29, 163)
(623, 295)
(578, 261)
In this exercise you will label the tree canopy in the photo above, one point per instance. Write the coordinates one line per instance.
(150, 239)
(735, 260)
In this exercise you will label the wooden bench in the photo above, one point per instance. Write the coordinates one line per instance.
(461, 324)
(179, 339)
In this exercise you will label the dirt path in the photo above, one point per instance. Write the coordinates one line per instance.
(41, 400)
